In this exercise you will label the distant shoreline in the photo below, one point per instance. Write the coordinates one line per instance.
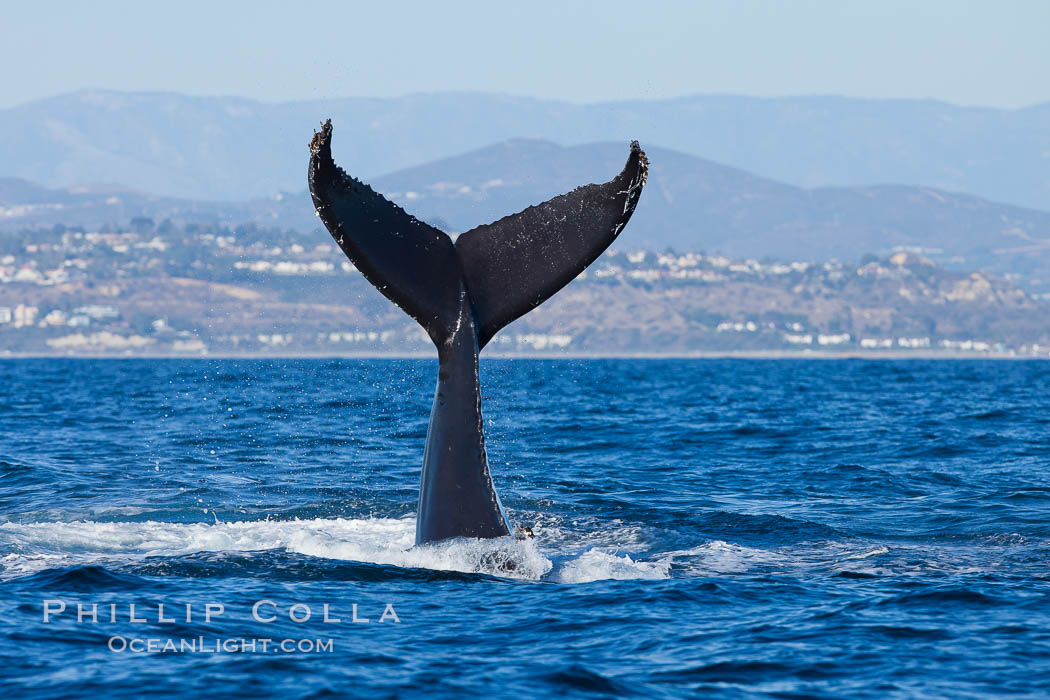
(699, 355)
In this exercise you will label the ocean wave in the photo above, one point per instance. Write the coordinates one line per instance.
(384, 541)
(562, 552)
(595, 565)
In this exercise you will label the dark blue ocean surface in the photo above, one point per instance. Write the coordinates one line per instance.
(729, 528)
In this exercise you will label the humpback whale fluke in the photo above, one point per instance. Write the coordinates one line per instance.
(462, 293)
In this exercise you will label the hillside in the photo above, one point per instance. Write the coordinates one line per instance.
(26, 204)
(236, 149)
(197, 290)
(690, 204)
(693, 204)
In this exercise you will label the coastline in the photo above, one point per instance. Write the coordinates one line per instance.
(697, 355)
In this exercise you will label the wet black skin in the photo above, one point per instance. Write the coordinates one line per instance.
(456, 495)
(462, 293)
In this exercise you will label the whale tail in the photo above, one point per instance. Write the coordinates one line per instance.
(508, 267)
(462, 294)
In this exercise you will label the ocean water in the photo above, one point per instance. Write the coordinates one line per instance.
(725, 528)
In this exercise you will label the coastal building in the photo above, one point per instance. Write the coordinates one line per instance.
(55, 317)
(24, 315)
(98, 312)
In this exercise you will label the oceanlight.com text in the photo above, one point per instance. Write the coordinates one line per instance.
(218, 645)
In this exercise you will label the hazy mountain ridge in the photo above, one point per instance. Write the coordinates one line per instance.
(26, 204)
(234, 148)
(690, 204)
(695, 204)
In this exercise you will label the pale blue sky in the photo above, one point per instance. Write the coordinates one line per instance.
(975, 53)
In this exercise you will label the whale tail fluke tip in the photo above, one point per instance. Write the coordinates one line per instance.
(323, 138)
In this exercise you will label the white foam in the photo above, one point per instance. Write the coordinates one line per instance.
(388, 541)
(584, 534)
(873, 553)
(374, 540)
(595, 565)
(718, 557)
(15, 565)
(584, 551)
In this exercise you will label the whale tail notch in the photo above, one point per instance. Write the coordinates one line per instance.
(505, 268)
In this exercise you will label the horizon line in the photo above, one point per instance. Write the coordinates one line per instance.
(516, 96)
